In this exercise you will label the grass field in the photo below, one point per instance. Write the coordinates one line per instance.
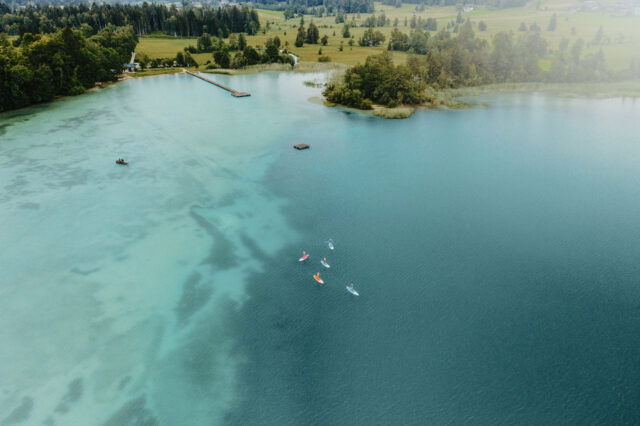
(621, 33)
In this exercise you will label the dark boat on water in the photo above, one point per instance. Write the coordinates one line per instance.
(301, 146)
(121, 162)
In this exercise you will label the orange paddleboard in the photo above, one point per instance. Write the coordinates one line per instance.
(317, 278)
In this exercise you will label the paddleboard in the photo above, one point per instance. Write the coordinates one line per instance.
(351, 290)
(303, 258)
(325, 264)
(330, 244)
(318, 279)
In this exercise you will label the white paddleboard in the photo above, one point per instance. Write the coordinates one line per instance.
(351, 290)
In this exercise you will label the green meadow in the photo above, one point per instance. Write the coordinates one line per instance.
(620, 43)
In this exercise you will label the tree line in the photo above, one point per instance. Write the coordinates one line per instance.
(65, 62)
(500, 4)
(443, 61)
(235, 53)
(320, 8)
(316, 7)
(144, 19)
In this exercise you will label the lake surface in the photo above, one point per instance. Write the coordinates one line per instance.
(496, 251)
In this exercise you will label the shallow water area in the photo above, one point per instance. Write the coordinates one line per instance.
(494, 249)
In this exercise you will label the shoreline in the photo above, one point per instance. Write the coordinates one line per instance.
(396, 113)
(301, 67)
(449, 99)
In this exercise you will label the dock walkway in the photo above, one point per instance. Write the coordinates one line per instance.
(228, 89)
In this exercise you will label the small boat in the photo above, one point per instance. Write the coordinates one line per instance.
(330, 244)
(301, 146)
(121, 162)
(324, 263)
(317, 278)
(304, 257)
(351, 290)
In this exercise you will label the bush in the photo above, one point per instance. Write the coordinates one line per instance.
(324, 59)
(341, 94)
(76, 90)
(395, 113)
(371, 38)
(222, 58)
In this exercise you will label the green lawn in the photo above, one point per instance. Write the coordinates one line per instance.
(162, 47)
(622, 34)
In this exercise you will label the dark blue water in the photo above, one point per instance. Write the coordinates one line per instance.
(496, 251)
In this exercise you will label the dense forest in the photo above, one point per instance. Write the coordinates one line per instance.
(443, 61)
(332, 4)
(144, 19)
(292, 7)
(65, 62)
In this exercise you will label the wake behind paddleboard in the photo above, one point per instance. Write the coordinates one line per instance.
(330, 244)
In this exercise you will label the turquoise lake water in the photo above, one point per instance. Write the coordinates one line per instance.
(496, 251)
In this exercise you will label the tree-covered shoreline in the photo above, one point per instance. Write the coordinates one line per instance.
(65, 50)
(65, 62)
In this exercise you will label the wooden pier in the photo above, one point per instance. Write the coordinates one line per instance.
(233, 92)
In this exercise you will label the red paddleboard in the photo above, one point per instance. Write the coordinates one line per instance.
(303, 258)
